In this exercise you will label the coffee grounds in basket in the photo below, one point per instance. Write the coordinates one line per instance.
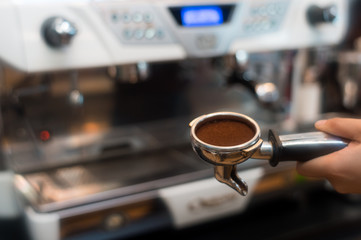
(225, 132)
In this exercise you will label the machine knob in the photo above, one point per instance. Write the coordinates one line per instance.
(317, 15)
(58, 31)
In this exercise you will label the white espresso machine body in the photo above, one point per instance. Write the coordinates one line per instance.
(56, 35)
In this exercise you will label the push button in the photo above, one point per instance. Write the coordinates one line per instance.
(139, 34)
(137, 17)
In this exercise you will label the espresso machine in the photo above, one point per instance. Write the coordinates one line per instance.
(96, 97)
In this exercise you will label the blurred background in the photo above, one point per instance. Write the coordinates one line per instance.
(96, 97)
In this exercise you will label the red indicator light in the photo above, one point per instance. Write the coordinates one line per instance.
(44, 135)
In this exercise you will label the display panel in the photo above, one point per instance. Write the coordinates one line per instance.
(201, 16)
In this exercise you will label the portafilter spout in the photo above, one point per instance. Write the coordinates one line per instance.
(226, 139)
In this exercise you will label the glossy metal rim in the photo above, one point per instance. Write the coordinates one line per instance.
(242, 117)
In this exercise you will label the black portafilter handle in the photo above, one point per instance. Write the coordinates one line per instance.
(303, 146)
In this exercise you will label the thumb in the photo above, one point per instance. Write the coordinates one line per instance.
(343, 127)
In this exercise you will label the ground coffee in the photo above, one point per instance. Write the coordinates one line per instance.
(225, 132)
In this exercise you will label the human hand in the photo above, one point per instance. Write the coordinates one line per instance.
(341, 168)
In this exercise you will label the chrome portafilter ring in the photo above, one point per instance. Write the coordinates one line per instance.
(224, 154)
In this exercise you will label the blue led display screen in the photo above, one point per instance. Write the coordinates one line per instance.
(196, 16)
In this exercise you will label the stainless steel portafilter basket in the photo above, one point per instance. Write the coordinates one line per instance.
(292, 147)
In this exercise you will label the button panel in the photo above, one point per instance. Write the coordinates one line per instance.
(264, 17)
(135, 24)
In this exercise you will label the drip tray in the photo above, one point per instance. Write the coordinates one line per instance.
(59, 188)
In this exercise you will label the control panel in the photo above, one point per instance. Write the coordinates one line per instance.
(53, 35)
(282, 24)
(264, 17)
(134, 24)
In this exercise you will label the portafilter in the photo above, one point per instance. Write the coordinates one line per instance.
(226, 139)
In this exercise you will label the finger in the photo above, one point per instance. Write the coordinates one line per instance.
(330, 165)
(323, 166)
(343, 127)
(312, 168)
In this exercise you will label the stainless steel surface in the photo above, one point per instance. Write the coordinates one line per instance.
(58, 31)
(76, 98)
(119, 148)
(124, 139)
(66, 187)
(115, 118)
(226, 157)
(318, 15)
(267, 93)
(265, 152)
(259, 75)
(301, 139)
(214, 154)
(228, 175)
